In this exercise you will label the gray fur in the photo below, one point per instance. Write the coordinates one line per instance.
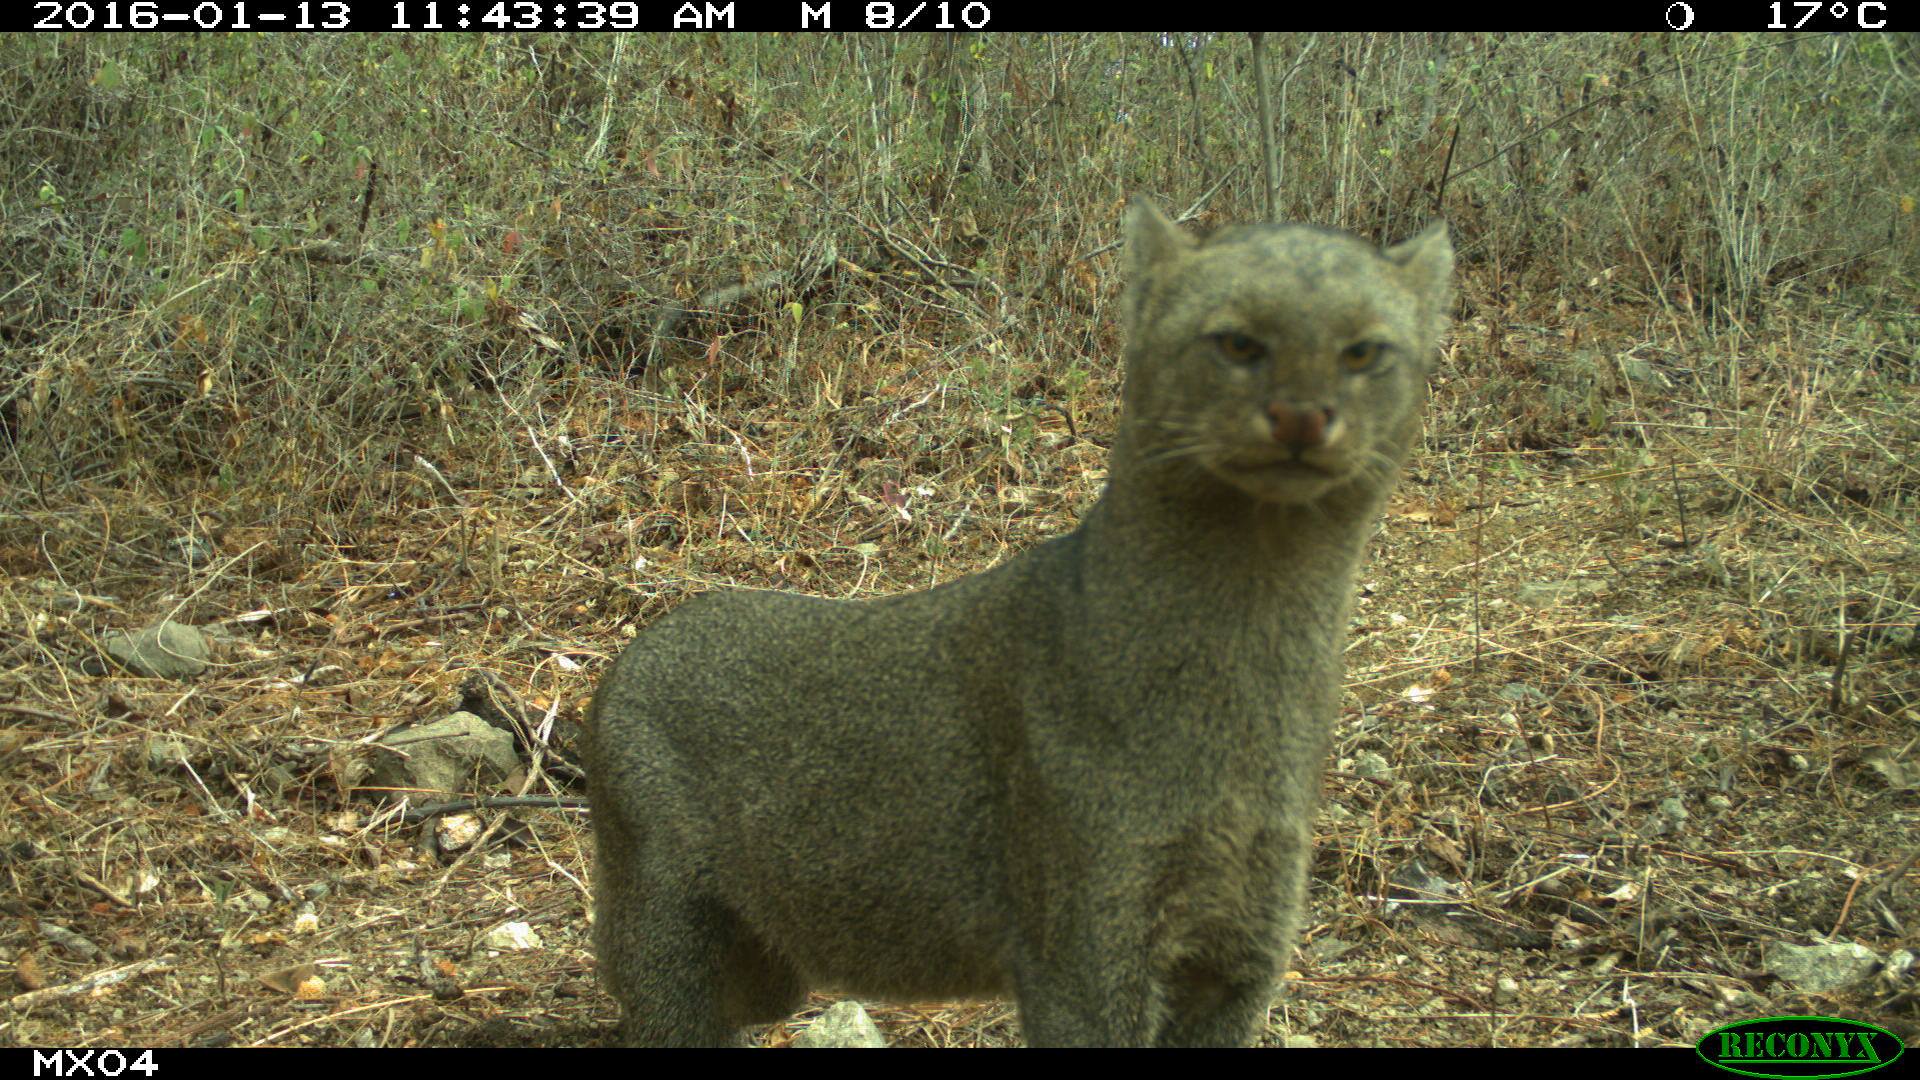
(1085, 778)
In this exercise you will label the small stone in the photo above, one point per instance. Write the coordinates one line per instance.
(165, 650)
(456, 831)
(1899, 963)
(511, 937)
(1372, 766)
(845, 1025)
(193, 550)
(168, 752)
(1820, 969)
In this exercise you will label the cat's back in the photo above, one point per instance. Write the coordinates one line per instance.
(731, 643)
(730, 634)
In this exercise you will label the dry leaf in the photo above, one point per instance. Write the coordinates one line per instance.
(289, 980)
(26, 971)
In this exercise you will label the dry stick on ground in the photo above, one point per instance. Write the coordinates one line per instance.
(1836, 693)
(491, 802)
(88, 985)
(1673, 472)
(38, 714)
(103, 889)
(1479, 557)
(438, 475)
(542, 451)
(393, 1003)
(1891, 879)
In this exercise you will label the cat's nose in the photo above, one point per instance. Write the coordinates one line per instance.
(1300, 426)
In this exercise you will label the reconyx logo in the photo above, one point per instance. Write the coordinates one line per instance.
(1800, 1047)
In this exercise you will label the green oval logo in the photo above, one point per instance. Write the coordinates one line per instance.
(1800, 1047)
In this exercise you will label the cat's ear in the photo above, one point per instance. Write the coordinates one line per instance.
(1426, 265)
(1151, 238)
(1427, 262)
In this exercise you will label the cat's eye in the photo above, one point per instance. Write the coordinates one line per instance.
(1362, 355)
(1240, 348)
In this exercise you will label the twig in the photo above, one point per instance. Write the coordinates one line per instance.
(1836, 694)
(551, 471)
(1673, 471)
(492, 802)
(102, 888)
(1893, 876)
(40, 714)
(89, 985)
(437, 475)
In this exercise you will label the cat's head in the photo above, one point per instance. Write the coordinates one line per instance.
(1285, 360)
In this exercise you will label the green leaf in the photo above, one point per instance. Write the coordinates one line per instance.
(134, 245)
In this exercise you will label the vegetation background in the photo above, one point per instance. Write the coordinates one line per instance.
(392, 358)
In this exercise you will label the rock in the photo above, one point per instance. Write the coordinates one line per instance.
(1414, 882)
(1521, 692)
(511, 937)
(455, 831)
(1899, 963)
(1372, 766)
(68, 940)
(165, 650)
(166, 752)
(461, 753)
(274, 779)
(844, 1025)
(192, 550)
(1820, 969)
(1643, 371)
